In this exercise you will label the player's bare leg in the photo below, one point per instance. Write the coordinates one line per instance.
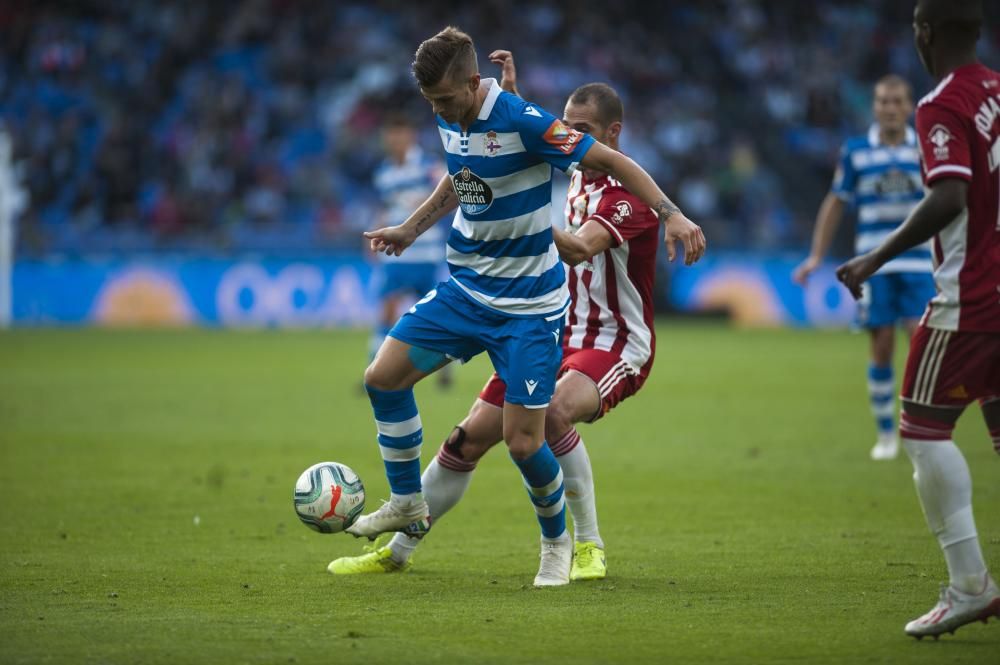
(944, 486)
(577, 399)
(882, 392)
(389, 381)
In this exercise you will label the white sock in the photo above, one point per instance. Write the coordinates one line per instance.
(578, 480)
(945, 490)
(405, 501)
(443, 489)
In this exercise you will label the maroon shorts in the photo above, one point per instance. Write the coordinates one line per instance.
(615, 379)
(952, 368)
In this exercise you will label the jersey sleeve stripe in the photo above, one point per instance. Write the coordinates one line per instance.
(609, 226)
(949, 168)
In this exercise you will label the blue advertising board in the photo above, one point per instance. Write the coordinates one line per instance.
(758, 291)
(186, 291)
(335, 292)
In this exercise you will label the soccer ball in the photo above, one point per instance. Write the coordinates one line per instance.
(329, 497)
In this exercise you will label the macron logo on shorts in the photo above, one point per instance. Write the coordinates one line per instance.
(530, 384)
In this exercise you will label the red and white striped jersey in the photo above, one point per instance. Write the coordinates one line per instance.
(959, 129)
(611, 295)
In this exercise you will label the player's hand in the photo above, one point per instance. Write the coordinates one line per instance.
(506, 61)
(801, 273)
(680, 228)
(391, 239)
(854, 273)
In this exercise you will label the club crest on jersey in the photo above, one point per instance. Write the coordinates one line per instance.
(474, 195)
(623, 210)
(562, 137)
(939, 137)
(491, 146)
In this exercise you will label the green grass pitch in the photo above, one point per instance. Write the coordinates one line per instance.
(146, 482)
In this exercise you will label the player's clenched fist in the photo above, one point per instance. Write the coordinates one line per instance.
(392, 239)
(854, 273)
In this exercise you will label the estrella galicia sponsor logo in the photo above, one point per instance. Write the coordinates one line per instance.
(895, 182)
(474, 195)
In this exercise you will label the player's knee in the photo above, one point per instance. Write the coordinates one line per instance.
(522, 445)
(558, 420)
(377, 378)
(470, 448)
(372, 377)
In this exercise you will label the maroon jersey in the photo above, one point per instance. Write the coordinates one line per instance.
(612, 294)
(959, 129)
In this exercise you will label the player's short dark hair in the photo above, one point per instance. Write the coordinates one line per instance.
(605, 99)
(896, 81)
(450, 53)
(957, 20)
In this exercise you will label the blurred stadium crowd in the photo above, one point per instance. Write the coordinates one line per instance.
(253, 124)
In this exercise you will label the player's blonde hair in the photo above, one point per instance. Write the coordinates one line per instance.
(448, 54)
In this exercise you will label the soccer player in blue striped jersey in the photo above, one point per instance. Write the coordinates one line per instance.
(507, 292)
(402, 181)
(880, 174)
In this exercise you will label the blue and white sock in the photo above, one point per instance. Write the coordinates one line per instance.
(399, 437)
(881, 395)
(543, 478)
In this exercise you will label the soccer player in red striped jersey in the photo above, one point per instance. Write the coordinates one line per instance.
(610, 244)
(955, 352)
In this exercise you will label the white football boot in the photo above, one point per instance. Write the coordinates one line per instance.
(556, 561)
(414, 521)
(886, 447)
(954, 609)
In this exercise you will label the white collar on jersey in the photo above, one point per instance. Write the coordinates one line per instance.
(491, 98)
(873, 139)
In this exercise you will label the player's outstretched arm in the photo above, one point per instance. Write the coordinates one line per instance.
(827, 220)
(635, 179)
(936, 211)
(508, 80)
(394, 239)
(588, 242)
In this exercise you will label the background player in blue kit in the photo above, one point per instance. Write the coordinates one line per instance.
(507, 293)
(403, 181)
(880, 174)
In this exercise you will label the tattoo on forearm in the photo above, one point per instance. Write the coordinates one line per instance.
(426, 220)
(665, 208)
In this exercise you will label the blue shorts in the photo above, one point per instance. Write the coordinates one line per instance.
(526, 351)
(890, 298)
(416, 278)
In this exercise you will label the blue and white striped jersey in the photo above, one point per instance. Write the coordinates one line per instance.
(401, 189)
(500, 250)
(884, 183)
